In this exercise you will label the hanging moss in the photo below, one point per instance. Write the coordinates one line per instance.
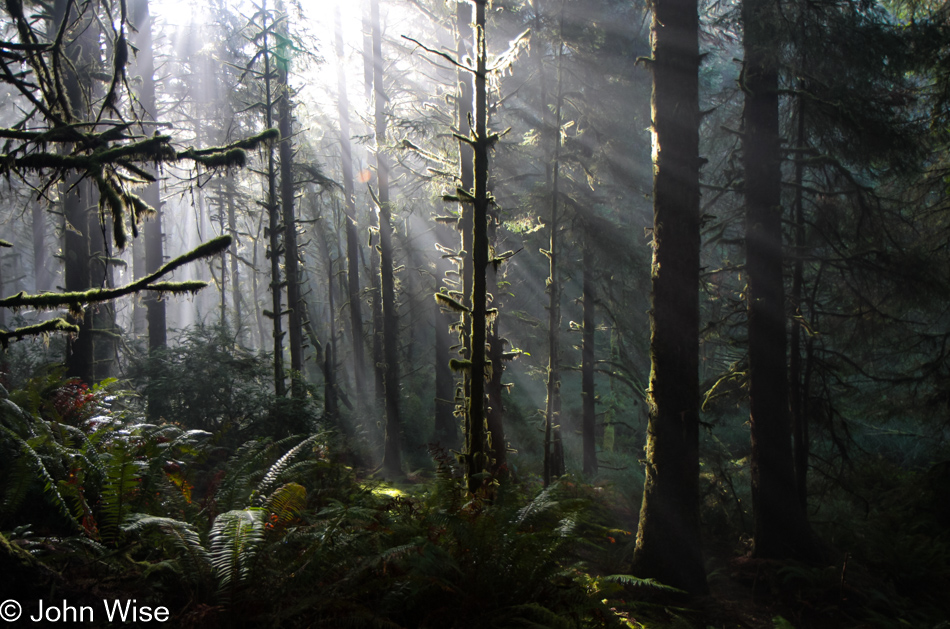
(458, 364)
(235, 158)
(447, 302)
(190, 286)
(53, 325)
(74, 300)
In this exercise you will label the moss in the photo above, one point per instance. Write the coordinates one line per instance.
(53, 325)
(75, 299)
(447, 302)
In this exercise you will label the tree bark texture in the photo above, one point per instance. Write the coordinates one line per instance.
(79, 198)
(668, 538)
(476, 447)
(275, 248)
(466, 95)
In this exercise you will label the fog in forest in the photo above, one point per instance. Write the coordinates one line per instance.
(508, 313)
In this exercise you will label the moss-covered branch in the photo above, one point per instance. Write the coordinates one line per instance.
(46, 327)
(74, 300)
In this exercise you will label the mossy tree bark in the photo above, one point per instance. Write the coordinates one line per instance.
(275, 248)
(476, 451)
(464, 20)
(668, 538)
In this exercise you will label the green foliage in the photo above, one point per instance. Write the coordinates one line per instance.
(209, 381)
(235, 537)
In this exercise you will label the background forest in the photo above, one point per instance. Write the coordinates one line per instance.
(523, 313)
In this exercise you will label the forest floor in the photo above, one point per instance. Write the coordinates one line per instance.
(747, 593)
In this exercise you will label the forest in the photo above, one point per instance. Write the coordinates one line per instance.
(475, 313)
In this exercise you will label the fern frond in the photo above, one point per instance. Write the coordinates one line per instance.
(286, 502)
(194, 557)
(275, 470)
(628, 579)
(235, 538)
(33, 468)
(123, 473)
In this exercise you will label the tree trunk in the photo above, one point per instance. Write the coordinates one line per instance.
(781, 529)
(275, 250)
(291, 262)
(588, 422)
(235, 268)
(476, 448)
(496, 410)
(41, 275)
(392, 452)
(152, 232)
(796, 390)
(465, 103)
(668, 539)
(445, 433)
(78, 197)
(553, 450)
(352, 226)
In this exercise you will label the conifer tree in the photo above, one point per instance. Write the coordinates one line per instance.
(392, 456)
(668, 538)
(354, 300)
(781, 529)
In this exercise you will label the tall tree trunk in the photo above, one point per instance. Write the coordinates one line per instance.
(78, 199)
(376, 305)
(476, 451)
(781, 529)
(352, 226)
(291, 262)
(668, 538)
(464, 103)
(445, 433)
(588, 422)
(392, 452)
(795, 375)
(235, 267)
(275, 249)
(553, 456)
(103, 314)
(496, 356)
(41, 275)
(152, 232)
(331, 409)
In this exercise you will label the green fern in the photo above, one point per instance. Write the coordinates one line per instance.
(119, 491)
(235, 538)
(274, 472)
(194, 558)
(286, 503)
(28, 468)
